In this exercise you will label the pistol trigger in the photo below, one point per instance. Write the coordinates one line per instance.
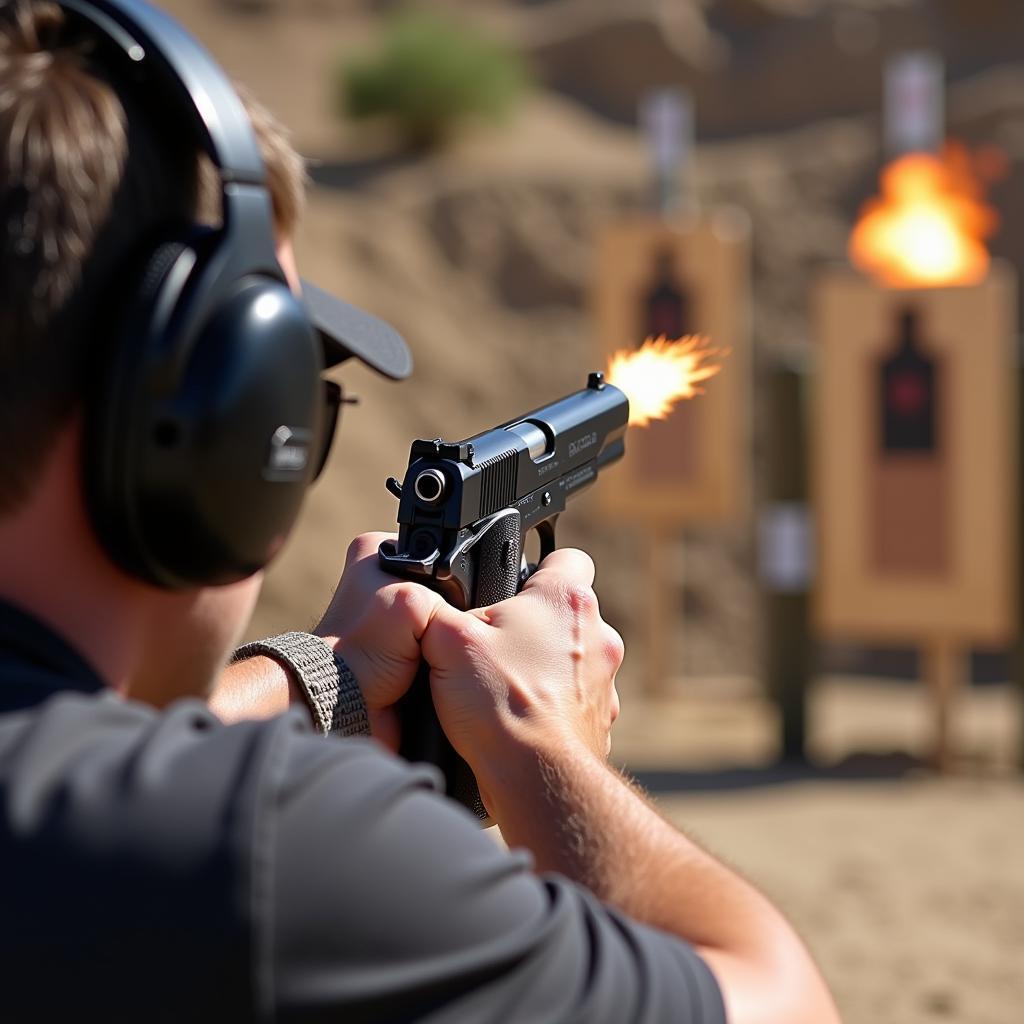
(394, 487)
(546, 532)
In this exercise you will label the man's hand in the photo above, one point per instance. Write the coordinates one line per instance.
(537, 670)
(525, 691)
(375, 622)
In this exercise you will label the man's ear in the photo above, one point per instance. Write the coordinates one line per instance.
(286, 257)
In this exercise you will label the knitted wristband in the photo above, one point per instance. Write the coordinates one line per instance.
(327, 683)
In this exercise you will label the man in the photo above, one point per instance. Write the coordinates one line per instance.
(159, 864)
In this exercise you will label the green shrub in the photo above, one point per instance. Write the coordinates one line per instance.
(429, 73)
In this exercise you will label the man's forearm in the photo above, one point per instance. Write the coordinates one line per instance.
(258, 687)
(580, 819)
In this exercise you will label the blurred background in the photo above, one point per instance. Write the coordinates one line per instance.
(467, 160)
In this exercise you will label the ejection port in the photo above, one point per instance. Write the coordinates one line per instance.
(535, 438)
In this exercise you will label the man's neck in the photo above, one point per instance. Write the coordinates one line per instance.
(54, 568)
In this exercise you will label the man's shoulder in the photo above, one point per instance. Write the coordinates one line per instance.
(173, 771)
(270, 871)
(132, 837)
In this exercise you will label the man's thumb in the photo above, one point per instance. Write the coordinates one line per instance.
(449, 633)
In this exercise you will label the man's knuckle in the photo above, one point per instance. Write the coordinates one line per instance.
(453, 634)
(407, 601)
(614, 648)
(581, 599)
(356, 549)
(466, 632)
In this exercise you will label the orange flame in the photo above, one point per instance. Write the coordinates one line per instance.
(928, 227)
(660, 373)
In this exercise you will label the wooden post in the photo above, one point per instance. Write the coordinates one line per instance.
(661, 607)
(945, 664)
(786, 604)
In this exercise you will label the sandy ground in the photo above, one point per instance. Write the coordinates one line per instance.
(908, 888)
(909, 893)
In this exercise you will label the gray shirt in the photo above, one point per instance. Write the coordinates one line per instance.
(162, 865)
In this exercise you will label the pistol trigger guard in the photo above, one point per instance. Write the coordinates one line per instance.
(393, 561)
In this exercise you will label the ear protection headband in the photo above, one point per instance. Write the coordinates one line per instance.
(203, 439)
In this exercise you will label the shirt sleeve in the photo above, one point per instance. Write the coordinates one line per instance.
(386, 902)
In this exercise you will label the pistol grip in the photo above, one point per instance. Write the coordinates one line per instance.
(497, 557)
(423, 741)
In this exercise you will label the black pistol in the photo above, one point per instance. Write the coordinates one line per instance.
(464, 511)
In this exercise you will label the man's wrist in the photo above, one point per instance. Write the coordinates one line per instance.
(520, 767)
(325, 680)
(257, 687)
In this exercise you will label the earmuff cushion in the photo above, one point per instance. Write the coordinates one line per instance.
(117, 386)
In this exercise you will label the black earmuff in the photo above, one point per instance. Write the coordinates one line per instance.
(204, 434)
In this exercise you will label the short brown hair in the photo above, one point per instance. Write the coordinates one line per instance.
(82, 179)
(285, 170)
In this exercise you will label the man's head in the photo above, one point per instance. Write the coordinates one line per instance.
(102, 186)
(87, 177)
(206, 368)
